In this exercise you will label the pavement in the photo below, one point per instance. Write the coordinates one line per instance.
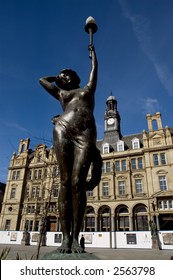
(26, 252)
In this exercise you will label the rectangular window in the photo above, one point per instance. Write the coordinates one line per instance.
(27, 192)
(16, 175)
(138, 184)
(123, 163)
(29, 175)
(135, 144)
(36, 228)
(39, 174)
(117, 165)
(108, 166)
(13, 193)
(121, 187)
(28, 225)
(162, 182)
(106, 149)
(155, 159)
(55, 191)
(52, 207)
(7, 224)
(43, 193)
(55, 171)
(133, 163)
(170, 202)
(90, 193)
(39, 209)
(163, 158)
(120, 147)
(140, 163)
(33, 194)
(31, 209)
(105, 188)
(165, 205)
(160, 204)
(35, 174)
(37, 191)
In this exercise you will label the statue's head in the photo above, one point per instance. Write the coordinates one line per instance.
(67, 79)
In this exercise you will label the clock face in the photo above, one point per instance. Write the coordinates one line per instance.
(111, 121)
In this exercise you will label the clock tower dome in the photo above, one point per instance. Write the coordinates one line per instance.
(112, 119)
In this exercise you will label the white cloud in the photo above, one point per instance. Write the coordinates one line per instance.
(13, 125)
(150, 105)
(141, 27)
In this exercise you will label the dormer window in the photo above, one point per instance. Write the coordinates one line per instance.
(120, 146)
(106, 148)
(135, 143)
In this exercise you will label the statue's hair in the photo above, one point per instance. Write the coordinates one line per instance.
(73, 74)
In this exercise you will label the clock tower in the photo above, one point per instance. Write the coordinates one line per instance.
(112, 119)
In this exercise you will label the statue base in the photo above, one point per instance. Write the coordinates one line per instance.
(55, 255)
(155, 244)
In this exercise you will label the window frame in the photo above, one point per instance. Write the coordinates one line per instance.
(105, 188)
(135, 144)
(13, 193)
(117, 166)
(121, 187)
(138, 186)
(120, 146)
(106, 148)
(163, 183)
(108, 166)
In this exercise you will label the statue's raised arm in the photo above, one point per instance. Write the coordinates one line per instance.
(92, 83)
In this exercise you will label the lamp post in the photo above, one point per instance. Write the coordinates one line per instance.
(91, 28)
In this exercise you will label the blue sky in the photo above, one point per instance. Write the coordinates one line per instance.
(134, 46)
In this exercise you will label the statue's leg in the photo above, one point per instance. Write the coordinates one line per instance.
(80, 170)
(62, 150)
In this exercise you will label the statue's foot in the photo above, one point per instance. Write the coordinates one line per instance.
(65, 247)
(76, 248)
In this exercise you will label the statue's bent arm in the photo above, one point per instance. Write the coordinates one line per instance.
(46, 82)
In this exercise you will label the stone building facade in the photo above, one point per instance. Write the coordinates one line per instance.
(136, 187)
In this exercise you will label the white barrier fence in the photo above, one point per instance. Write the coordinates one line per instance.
(117, 240)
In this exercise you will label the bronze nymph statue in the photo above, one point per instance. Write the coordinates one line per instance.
(74, 138)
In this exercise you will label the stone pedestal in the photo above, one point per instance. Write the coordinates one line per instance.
(26, 238)
(155, 244)
(55, 255)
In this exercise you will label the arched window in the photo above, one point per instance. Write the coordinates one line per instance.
(89, 224)
(140, 217)
(122, 218)
(104, 218)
